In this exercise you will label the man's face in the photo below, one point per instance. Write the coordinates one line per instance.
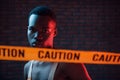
(41, 31)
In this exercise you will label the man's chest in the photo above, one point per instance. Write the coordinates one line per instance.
(41, 71)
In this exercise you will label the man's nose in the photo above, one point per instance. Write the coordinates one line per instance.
(38, 36)
(35, 34)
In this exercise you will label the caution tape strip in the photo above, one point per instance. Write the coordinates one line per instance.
(57, 55)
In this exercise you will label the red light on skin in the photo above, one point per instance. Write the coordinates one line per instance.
(51, 24)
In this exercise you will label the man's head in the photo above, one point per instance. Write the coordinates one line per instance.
(41, 27)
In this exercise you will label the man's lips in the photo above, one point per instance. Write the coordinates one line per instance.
(37, 43)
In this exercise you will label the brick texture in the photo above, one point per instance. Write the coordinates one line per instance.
(82, 25)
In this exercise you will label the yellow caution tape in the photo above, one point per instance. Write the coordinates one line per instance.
(58, 55)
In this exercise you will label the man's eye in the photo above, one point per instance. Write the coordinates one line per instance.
(32, 29)
(45, 30)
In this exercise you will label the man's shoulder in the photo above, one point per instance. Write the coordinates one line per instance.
(75, 71)
(26, 69)
(27, 65)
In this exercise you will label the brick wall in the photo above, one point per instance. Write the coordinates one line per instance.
(82, 25)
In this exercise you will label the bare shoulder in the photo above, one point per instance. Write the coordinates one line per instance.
(27, 65)
(76, 71)
(26, 69)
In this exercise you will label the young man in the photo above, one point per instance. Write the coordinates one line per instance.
(41, 32)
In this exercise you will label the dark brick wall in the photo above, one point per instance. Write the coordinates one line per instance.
(82, 25)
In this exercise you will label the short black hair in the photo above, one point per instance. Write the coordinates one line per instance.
(43, 11)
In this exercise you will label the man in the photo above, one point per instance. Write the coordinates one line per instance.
(41, 32)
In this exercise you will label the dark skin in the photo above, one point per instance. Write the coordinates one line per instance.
(41, 32)
(38, 38)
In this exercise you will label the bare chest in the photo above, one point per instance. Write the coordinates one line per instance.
(41, 71)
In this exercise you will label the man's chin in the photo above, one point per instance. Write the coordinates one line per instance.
(38, 46)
